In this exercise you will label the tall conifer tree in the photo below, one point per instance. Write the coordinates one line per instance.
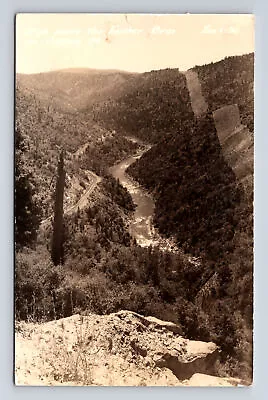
(58, 228)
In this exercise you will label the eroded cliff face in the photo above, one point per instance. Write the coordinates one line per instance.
(121, 349)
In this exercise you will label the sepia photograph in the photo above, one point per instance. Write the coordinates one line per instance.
(134, 175)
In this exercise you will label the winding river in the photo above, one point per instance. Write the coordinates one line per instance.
(141, 226)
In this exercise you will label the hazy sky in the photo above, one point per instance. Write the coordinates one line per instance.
(132, 42)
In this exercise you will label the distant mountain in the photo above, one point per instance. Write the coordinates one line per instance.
(72, 89)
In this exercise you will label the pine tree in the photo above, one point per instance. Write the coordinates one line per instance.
(58, 228)
(27, 211)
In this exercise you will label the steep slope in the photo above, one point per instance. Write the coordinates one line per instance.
(196, 171)
(45, 132)
(195, 189)
(149, 106)
(237, 145)
(230, 81)
(46, 129)
(202, 179)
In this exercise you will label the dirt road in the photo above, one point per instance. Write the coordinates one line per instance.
(82, 202)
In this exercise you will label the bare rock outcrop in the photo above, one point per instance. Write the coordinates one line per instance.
(120, 349)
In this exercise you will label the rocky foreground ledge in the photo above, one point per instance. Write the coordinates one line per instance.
(120, 349)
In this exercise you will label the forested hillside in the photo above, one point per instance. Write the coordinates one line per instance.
(149, 105)
(45, 130)
(230, 81)
(195, 189)
(200, 202)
